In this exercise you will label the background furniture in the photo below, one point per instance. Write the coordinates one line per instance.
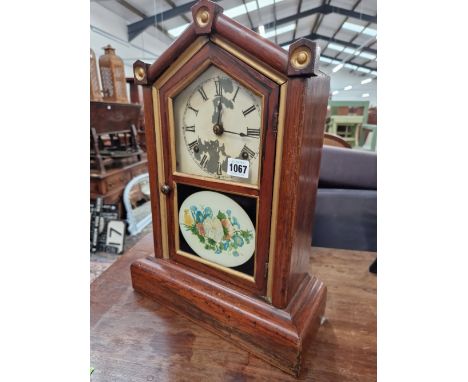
(334, 140)
(95, 87)
(372, 115)
(111, 184)
(346, 212)
(112, 70)
(343, 108)
(368, 137)
(113, 135)
(346, 127)
(346, 118)
(136, 198)
(136, 97)
(134, 338)
(116, 157)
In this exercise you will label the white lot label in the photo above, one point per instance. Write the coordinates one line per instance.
(238, 167)
(116, 234)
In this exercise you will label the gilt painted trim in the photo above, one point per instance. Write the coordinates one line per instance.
(276, 187)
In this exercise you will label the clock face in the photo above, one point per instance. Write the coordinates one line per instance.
(218, 128)
(217, 228)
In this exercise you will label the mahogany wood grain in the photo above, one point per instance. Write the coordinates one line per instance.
(134, 338)
(312, 67)
(296, 296)
(314, 113)
(270, 333)
(246, 286)
(113, 117)
(302, 145)
(205, 6)
(110, 185)
(270, 91)
(153, 170)
(213, 184)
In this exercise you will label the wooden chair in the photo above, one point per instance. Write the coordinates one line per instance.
(346, 119)
(369, 137)
(335, 140)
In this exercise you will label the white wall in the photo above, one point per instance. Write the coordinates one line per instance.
(110, 28)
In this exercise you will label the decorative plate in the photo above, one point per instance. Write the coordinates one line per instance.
(217, 228)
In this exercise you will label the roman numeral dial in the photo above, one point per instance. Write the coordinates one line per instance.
(190, 107)
(235, 94)
(202, 93)
(204, 160)
(247, 152)
(217, 118)
(246, 112)
(219, 89)
(253, 132)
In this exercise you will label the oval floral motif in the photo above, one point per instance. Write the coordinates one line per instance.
(217, 228)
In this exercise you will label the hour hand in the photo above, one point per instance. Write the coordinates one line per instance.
(220, 107)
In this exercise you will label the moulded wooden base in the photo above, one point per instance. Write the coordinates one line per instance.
(278, 336)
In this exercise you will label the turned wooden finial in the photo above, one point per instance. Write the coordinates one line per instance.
(204, 13)
(304, 56)
(140, 73)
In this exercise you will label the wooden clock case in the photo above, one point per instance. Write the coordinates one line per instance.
(276, 315)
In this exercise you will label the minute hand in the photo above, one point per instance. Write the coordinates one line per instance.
(241, 134)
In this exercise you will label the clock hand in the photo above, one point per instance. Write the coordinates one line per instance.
(248, 136)
(218, 128)
(241, 134)
(233, 132)
(220, 107)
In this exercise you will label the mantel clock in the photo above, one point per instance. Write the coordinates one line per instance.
(234, 135)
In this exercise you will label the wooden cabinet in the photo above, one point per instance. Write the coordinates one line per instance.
(116, 156)
(118, 180)
(114, 141)
(110, 185)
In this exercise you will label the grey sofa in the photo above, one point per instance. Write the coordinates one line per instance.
(346, 210)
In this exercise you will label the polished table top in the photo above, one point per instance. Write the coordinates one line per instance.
(135, 339)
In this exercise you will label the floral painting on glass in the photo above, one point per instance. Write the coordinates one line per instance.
(217, 228)
(219, 233)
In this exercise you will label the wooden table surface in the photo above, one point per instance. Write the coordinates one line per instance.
(135, 339)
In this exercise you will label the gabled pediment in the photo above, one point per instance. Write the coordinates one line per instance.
(208, 20)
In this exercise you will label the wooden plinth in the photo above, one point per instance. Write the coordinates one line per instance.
(280, 337)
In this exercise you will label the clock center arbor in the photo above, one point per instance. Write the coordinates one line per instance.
(235, 131)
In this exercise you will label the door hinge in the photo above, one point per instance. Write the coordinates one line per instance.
(266, 270)
(275, 122)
